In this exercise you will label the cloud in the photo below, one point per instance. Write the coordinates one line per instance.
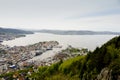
(96, 14)
(60, 14)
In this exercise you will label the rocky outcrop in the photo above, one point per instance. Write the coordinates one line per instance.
(105, 74)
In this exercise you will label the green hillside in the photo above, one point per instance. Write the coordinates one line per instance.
(101, 64)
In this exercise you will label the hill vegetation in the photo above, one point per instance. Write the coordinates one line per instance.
(101, 64)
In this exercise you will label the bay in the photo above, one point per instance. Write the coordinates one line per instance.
(78, 41)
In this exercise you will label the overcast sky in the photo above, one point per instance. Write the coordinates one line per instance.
(100, 15)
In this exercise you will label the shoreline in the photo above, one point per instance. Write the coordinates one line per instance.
(87, 41)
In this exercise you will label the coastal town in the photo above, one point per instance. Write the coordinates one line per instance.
(12, 57)
(21, 57)
(43, 53)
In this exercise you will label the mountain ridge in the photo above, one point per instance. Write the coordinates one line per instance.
(77, 32)
(13, 31)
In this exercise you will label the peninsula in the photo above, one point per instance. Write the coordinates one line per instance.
(9, 34)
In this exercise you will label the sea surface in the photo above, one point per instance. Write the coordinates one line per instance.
(78, 41)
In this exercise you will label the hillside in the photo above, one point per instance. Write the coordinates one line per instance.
(13, 31)
(101, 64)
(78, 32)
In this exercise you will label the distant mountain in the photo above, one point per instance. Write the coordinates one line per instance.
(79, 32)
(13, 31)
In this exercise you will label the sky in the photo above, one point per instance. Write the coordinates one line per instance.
(96, 15)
